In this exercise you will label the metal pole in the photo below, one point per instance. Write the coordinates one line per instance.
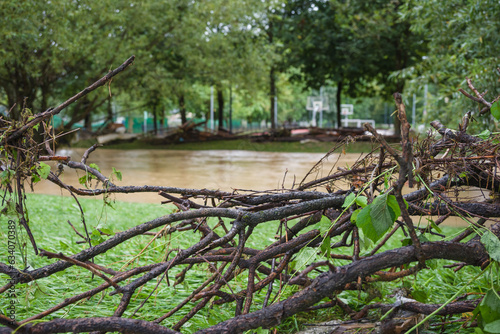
(321, 108)
(212, 108)
(230, 108)
(145, 122)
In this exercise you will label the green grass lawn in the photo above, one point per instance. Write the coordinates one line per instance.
(48, 221)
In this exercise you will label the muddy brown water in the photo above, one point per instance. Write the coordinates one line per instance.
(217, 169)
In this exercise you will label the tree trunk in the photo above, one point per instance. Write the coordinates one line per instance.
(162, 121)
(81, 109)
(220, 102)
(339, 103)
(88, 122)
(110, 111)
(272, 95)
(230, 109)
(272, 80)
(25, 91)
(182, 109)
(155, 120)
(45, 94)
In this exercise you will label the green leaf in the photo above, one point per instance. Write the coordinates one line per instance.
(43, 170)
(484, 135)
(489, 308)
(495, 110)
(35, 178)
(354, 215)
(377, 218)
(364, 222)
(382, 216)
(117, 173)
(6, 176)
(363, 217)
(434, 226)
(362, 201)
(349, 200)
(352, 198)
(95, 167)
(107, 231)
(326, 248)
(325, 221)
(493, 327)
(393, 204)
(492, 245)
(83, 180)
(96, 238)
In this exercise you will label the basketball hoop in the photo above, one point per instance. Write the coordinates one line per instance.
(346, 110)
(317, 104)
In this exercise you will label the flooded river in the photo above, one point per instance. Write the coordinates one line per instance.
(217, 169)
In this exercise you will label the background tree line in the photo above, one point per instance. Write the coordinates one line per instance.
(257, 49)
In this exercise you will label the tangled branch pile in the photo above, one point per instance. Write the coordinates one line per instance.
(358, 205)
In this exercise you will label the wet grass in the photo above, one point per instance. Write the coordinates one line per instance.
(48, 220)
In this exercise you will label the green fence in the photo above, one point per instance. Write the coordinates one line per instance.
(136, 124)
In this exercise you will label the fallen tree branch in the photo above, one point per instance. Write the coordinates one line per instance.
(111, 324)
(327, 283)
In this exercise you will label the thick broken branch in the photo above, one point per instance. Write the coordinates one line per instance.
(328, 282)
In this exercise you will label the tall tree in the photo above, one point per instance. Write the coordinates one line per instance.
(351, 43)
(57, 47)
(463, 42)
(273, 25)
(233, 53)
